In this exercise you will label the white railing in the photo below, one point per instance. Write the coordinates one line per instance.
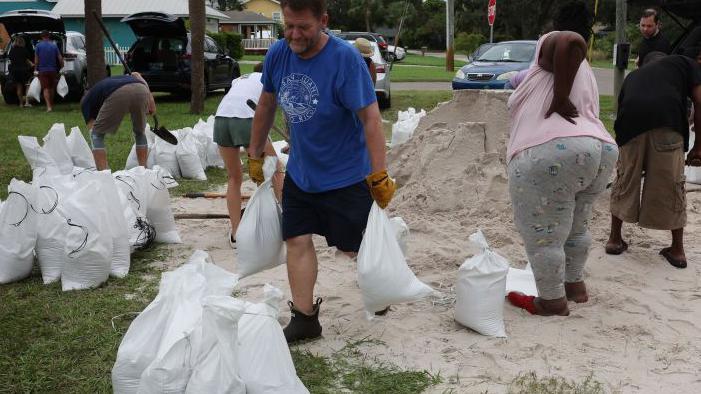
(257, 43)
(111, 57)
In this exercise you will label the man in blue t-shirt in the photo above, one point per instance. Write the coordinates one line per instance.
(337, 156)
(48, 61)
(104, 107)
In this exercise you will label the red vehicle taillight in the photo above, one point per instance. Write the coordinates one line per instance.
(382, 45)
(70, 56)
(380, 69)
(186, 56)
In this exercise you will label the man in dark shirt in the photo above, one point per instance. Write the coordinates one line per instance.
(653, 40)
(652, 131)
(104, 107)
(48, 61)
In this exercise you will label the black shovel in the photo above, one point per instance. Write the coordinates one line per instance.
(160, 131)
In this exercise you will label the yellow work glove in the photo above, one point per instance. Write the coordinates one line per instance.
(381, 187)
(255, 170)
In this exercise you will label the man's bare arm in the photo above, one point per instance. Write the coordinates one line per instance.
(262, 122)
(374, 136)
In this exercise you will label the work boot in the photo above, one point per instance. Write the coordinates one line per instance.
(303, 326)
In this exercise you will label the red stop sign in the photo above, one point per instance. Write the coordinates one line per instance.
(492, 12)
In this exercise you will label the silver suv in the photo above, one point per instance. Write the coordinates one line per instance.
(29, 24)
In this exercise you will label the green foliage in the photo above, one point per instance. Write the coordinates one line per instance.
(230, 41)
(530, 383)
(468, 42)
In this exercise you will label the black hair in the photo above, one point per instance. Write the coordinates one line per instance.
(651, 12)
(317, 7)
(653, 57)
(574, 16)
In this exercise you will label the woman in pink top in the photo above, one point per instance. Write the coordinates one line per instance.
(560, 158)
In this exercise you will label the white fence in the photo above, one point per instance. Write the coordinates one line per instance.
(257, 43)
(111, 57)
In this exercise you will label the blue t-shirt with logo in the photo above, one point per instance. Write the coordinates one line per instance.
(320, 97)
(47, 52)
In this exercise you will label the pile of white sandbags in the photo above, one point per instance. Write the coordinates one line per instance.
(81, 225)
(195, 151)
(195, 338)
(403, 129)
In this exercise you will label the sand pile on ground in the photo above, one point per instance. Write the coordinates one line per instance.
(640, 331)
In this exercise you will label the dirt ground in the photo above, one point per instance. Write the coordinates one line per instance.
(639, 332)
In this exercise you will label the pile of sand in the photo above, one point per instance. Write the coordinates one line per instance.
(640, 331)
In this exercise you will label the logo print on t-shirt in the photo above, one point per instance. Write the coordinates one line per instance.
(298, 97)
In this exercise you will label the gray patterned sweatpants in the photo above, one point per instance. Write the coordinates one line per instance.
(552, 188)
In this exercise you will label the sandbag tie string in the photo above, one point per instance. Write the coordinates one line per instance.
(43, 212)
(26, 212)
(85, 240)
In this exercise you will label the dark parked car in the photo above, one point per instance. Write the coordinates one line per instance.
(374, 37)
(29, 24)
(495, 66)
(162, 54)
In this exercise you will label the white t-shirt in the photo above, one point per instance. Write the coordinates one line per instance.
(243, 88)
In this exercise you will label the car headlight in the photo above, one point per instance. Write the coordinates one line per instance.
(460, 75)
(506, 76)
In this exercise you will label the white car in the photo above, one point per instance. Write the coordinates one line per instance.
(395, 55)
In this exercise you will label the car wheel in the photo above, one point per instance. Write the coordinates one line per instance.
(384, 102)
(391, 57)
(9, 94)
(77, 94)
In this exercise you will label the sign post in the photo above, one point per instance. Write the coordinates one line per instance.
(491, 16)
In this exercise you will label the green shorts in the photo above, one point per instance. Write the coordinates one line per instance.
(232, 132)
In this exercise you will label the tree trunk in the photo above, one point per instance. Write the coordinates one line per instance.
(94, 43)
(197, 27)
(368, 13)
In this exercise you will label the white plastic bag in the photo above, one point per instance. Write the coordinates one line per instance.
(56, 145)
(155, 354)
(216, 368)
(188, 157)
(278, 146)
(165, 155)
(34, 91)
(480, 290)
(384, 277)
(158, 211)
(693, 174)
(403, 129)
(521, 280)
(89, 241)
(62, 86)
(35, 154)
(264, 356)
(121, 249)
(18, 232)
(401, 232)
(51, 228)
(80, 151)
(259, 244)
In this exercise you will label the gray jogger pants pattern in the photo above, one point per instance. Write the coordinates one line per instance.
(553, 187)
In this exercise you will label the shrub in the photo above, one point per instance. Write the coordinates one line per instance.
(229, 40)
(468, 42)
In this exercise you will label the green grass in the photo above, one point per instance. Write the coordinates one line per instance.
(410, 73)
(530, 383)
(61, 342)
(418, 60)
(351, 370)
(255, 58)
(606, 113)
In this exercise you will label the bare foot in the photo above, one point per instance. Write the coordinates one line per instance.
(539, 306)
(577, 292)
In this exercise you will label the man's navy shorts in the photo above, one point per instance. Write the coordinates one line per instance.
(340, 215)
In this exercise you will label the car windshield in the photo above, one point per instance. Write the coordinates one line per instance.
(509, 52)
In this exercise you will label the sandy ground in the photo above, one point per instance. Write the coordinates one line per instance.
(640, 332)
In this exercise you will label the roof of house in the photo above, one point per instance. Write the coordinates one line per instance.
(75, 8)
(246, 17)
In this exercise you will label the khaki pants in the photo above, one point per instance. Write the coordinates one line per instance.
(662, 206)
(132, 98)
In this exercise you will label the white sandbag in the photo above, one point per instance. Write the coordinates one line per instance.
(132, 161)
(80, 151)
(158, 211)
(121, 249)
(401, 232)
(56, 145)
(35, 154)
(216, 368)
(188, 157)
(480, 290)
(155, 354)
(403, 129)
(34, 91)
(283, 157)
(693, 174)
(165, 155)
(62, 86)
(264, 356)
(51, 229)
(89, 241)
(205, 132)
(384, 277)
(259, 244)
(18, 232)
(521, 280)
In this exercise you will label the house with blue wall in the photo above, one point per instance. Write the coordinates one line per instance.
(11, 5)
(73, 13)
